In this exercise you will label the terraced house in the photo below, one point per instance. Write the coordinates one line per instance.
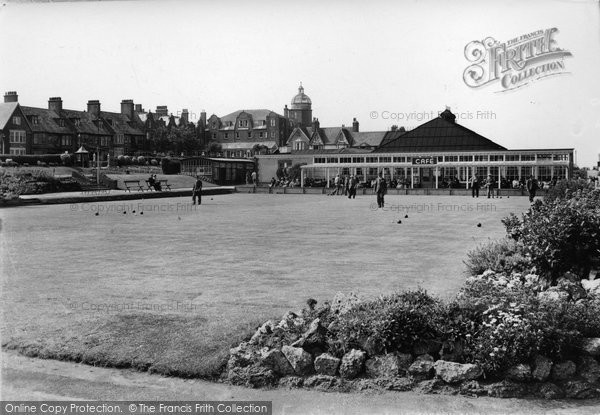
(54, 130)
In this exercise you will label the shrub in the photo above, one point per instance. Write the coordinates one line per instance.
(154, 162)
(32, 159)
(565, 189)
(67, 159)
(170, 166)
(141, 160)
(503, 255)
(562, 235)
(388, 324)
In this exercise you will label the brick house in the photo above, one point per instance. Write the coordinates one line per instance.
(15, 131)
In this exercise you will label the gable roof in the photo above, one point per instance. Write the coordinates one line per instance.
(439, 134)
(302, 133)
(47, 121)
(6, 111)
(367, 138)
(120, 123)
(86, 124)
(260, 114)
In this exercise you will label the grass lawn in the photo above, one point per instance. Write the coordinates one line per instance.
(171, 290)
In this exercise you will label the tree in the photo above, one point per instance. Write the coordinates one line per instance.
(215, 147)
(295, 171)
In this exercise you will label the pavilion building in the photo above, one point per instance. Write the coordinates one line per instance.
(439, 152)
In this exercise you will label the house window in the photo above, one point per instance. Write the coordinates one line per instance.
(226, 136)
(214, 136)
(561, 157)
(17, 151)
(65, 141)
(272, 134)
(17, 137)
(263, 122)
(249, 134)
(35, 120)
(273, 122)
(479, 157)
(237, 135)
(77, 122)
(243, 123)
(16, 120)
(120, 139)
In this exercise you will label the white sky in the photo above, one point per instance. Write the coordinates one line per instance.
(353, 57)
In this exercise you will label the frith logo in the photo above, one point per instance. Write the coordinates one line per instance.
(514, 63)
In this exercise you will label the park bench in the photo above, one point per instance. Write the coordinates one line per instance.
(135, 184)
(164, 184)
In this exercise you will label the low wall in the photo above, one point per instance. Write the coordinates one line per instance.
(408, 192)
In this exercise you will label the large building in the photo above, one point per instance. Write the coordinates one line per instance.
(440, 153)
(242, 132)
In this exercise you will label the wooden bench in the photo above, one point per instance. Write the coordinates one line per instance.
(135, 184)
(164, 183)
(150, 187)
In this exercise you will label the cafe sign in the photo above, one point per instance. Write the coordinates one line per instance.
(424, 161)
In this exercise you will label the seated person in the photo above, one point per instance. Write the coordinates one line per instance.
(151, 181)
(157, 185)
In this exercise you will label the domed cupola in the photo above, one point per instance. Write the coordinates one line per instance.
(301, 100)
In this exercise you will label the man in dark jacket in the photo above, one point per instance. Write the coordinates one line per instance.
(380, 189)
(197, 191)
(532, 187)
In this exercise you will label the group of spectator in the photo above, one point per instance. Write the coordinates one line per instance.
(284, 182)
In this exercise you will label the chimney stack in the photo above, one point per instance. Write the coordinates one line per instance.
(127, 108)
(11, 96)
(185, 116)
(162, 111)
(55, 104)
(93, 107)
(316, 123)
(394, 128)
(203, 118)
(286, 112)
(138, 108)
(354, 125)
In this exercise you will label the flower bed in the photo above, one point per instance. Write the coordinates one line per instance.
(521, 325)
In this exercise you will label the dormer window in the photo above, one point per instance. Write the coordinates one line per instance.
(61, 122)
(35, 120)
(16, 120)
(77, 122)
(244, 123)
